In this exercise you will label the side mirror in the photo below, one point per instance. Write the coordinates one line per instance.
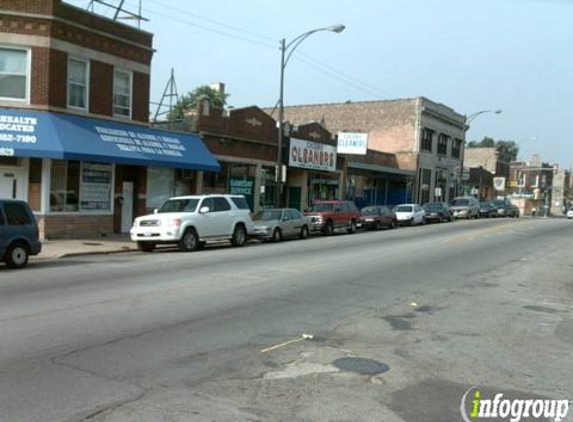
(204, 210)
(337, 209)
(155, 211)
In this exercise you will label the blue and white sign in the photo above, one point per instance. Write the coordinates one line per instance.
(352, 143)
(63, 136)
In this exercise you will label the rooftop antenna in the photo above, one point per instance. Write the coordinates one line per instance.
(119, 12)
(169, 98)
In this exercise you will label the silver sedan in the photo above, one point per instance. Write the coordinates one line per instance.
(278, 223)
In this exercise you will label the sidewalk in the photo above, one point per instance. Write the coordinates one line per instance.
(56, 249)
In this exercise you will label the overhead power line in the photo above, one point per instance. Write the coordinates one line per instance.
(263, 41)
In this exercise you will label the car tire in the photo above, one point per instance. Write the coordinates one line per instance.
(392, 225)
(239, 236)
(277, 235)
(189, 241)
(352, 228)
(17, 255)
(304, 232)
(329, 228)
(146, 246)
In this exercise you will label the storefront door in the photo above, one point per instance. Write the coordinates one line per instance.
(127, 207)
(11, 184)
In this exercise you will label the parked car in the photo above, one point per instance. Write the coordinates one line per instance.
(376, 217)
(570, 213)
(19, 237)
(512, 211)
(192, 221)
(502, 207)
(487, 209)
(438, 211)
(330, 216)
(410, 214)
(465, 207)
(279, 223)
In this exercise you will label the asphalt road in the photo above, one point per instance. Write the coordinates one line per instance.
(176, 337)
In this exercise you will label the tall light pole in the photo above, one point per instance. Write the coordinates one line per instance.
(466, 127)
(286, 53)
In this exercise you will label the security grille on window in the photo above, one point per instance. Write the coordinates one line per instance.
(427, 135)
(122, 94)
(13, 74)
(77, 84)
(443, 144)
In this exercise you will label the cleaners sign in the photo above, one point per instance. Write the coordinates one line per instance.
(312, 155)
(352, 143)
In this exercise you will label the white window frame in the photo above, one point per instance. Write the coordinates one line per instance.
(28, 51)
(88, 69)
(130, 74)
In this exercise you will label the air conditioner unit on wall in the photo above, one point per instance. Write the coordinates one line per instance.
(186, 174)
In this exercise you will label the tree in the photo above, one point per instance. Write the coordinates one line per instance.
(509, 147)
(189, 102)
(486, 142)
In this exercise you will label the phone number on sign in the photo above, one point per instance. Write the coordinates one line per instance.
(21, 139)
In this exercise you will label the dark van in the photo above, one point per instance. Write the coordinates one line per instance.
(18, 233)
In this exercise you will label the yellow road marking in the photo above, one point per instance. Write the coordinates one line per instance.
(286, 343)
(479, 233)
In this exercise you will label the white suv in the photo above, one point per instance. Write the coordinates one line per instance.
(191, 221)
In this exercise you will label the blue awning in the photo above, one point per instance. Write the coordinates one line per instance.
(66, 137)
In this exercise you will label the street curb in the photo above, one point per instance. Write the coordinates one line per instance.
(108, 252)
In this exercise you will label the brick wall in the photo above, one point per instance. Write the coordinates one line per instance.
(58, 78)
(40, 7)
(101, 85)
(74, 226)
(140, 100)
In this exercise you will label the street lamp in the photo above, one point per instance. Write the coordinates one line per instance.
(286, 53)
(466, 127)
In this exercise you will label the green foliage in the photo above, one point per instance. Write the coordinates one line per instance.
(189, 102)
(510, 146)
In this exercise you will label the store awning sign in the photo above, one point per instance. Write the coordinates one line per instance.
(352, 143)
(312, 155)
(63, 136)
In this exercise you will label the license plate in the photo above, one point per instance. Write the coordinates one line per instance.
(147, 234)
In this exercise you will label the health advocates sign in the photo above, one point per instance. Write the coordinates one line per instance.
(352, 143)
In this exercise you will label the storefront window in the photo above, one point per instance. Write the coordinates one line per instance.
(79, 186)
(95, 188)
(242, 182)
(216, 182)
(268, 197)
(160, 186)
(322, 186)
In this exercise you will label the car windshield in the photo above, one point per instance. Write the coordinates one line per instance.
(433, 206)
(370, 211)
(484, 204)
(460, 203)
(322, 208)
(403, 208)
(179, 205)
(269, 215)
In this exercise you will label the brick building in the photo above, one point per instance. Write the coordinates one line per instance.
(530, 185)
(74, 104)
(495, 159)
(426, 138)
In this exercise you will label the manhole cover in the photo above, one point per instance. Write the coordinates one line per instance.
(361, 365)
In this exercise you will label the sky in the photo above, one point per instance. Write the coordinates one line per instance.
(471, 55)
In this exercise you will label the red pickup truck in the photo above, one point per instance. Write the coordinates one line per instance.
(330, 216)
